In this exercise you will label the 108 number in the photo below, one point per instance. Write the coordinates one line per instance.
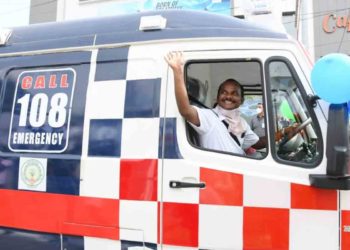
(38, 110)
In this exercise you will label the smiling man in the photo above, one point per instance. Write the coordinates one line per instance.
(221, 128)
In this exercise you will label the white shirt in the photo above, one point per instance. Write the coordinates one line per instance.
(213, 134)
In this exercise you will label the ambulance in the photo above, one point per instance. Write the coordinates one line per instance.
(94, 154)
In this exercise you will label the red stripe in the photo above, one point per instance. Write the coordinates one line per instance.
(306, 197)
(62, 214)
(180, 224)
(345, 230)
(227, 191)
(139, 179)
(265, 228)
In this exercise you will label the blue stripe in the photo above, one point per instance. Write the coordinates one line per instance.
(185, 33)
(73, 242)
(105, 137)
(111, 64)
(142, 98)
(63, 176)
(9, 173)
(11, 239)
(14, 239)
(125, 245)
(52, 44)
(170, 146)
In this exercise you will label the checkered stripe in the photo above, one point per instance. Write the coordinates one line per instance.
(122, 144)
(243, 212)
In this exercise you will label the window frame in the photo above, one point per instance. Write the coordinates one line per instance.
(263, 91)
(317, 128)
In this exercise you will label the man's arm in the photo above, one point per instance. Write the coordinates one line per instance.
(288, 131)
(175, 61)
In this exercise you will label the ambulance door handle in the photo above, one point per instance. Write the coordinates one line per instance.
(180, 184)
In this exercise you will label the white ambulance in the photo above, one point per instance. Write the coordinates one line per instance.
(95, 155)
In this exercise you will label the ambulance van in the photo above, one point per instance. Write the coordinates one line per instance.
(94, 154)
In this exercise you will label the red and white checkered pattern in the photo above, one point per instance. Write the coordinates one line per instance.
(243, 212)
(234, 211)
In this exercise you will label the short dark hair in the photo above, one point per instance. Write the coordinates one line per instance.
(236, 83)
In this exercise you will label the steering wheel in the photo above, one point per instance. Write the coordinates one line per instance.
(294, 132)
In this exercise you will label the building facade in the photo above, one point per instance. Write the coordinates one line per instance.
(322, 26)
(331, 27)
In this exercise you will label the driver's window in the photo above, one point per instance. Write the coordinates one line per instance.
(299, 142)
(226, 95)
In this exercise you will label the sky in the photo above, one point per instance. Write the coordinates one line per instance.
(14, 13)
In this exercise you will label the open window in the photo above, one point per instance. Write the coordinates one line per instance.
(203, 79)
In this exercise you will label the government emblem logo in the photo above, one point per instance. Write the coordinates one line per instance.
(33, 174)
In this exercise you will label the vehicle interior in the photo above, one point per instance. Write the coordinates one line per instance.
(286, 107)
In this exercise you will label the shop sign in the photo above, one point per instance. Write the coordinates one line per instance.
(332, 22)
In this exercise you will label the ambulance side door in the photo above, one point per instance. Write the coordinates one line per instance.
(222, 200)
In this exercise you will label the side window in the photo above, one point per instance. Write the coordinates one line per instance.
(203, 81)
(303, 144)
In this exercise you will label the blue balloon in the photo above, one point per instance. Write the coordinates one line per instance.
(330, 78)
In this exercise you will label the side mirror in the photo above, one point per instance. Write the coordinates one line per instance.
(330, 79)
(312, 100)
(337, 140)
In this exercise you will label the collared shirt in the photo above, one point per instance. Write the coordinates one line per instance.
(257, 124)
(214, 135)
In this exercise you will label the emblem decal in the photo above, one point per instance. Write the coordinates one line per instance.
(32, 174)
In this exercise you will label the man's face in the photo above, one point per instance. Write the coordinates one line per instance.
(229, 96)
(260, 109)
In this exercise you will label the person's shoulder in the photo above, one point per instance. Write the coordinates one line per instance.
(254, 119)
(206, 111)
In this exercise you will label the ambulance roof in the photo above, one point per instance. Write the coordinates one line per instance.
(125, 28)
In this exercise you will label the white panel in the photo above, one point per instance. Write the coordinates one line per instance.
(32, 174)
(143, 62)
(86, 117)
(131, 235)
(160, 176)
(180, 170)
(138, 215)
(220, 227)
(345, 200)
(105, 99)
(142, 68)
(140, 138)
(163, 98)
(261, 192)
(91, 243)
(313, 229)
(172, 110)
(100, 177)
